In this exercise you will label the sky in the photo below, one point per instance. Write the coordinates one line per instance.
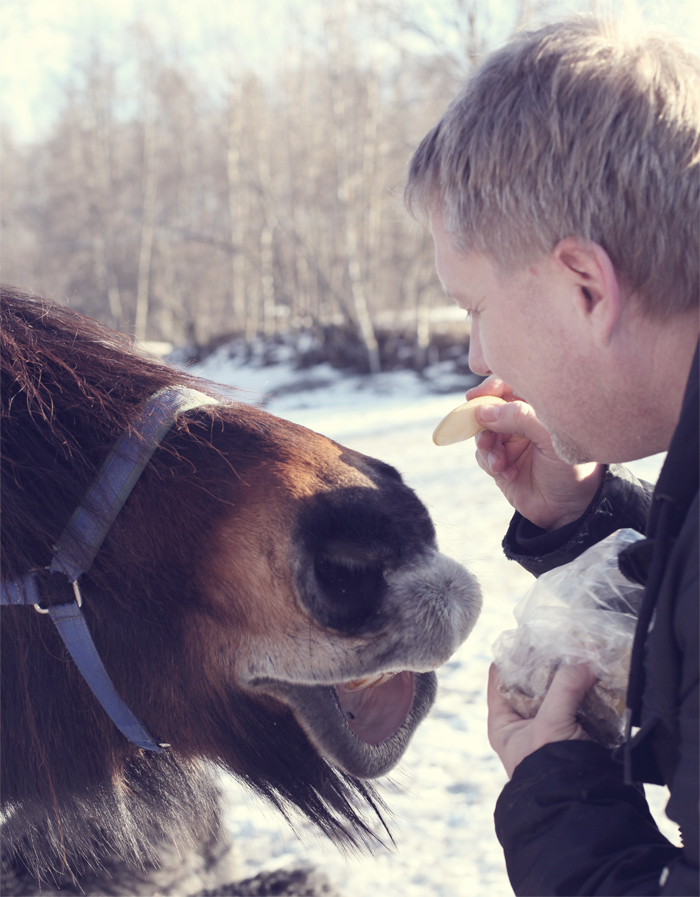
(41, 40)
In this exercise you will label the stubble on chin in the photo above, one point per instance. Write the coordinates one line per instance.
(568, 451)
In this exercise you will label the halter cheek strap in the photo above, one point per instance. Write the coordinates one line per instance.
(81, 539)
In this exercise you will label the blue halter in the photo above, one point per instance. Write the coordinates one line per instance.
(81, 540)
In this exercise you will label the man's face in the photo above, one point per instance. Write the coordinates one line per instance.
(523, 329)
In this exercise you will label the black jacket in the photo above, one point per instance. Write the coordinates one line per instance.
(572, 820)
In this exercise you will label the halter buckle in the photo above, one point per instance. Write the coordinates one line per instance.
(78, 599)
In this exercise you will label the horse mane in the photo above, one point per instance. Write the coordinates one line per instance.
(70, 387)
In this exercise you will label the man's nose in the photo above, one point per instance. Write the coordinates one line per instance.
(477, 362)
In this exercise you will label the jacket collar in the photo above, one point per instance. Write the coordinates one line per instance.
(679, 479)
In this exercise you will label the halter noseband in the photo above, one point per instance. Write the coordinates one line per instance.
(81, 539)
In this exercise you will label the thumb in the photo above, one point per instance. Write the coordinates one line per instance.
(514, 418)
(561, 703)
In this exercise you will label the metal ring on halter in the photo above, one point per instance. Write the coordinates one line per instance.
(78, 598)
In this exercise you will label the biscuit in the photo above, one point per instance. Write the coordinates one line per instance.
(461, 423)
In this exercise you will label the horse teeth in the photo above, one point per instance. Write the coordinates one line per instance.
(368, 681)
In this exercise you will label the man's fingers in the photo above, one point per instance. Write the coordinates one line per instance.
(514, 738)
(561, 703)
(500, 711)
(515, 418)
(486, 440)
(498, 453)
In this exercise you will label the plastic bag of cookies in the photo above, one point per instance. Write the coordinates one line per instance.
(581, 612)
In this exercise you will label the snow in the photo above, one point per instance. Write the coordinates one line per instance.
(442, 794)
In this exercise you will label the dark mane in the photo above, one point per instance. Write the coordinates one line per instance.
(69, 387)
(72, 786)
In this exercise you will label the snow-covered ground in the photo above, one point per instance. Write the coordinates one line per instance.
(442, 794)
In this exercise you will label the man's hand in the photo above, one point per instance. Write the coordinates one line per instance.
(516, 450)
(514, 738)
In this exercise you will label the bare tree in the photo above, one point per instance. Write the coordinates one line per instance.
(347, 182)
(184, 215)
(99, 78)
(237, 201)
(148, 222)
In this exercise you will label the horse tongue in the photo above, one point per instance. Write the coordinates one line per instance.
(376, 712)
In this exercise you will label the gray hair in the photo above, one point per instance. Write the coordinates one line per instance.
(576, 129)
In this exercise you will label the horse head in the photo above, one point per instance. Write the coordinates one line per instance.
(266, 600)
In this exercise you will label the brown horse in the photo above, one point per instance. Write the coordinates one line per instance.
(267, 601)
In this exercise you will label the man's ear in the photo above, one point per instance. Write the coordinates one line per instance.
(596, 290)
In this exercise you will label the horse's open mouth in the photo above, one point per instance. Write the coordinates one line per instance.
(376, 707)
(364, 725)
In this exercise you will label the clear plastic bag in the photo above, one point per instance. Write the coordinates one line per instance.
(581, 612)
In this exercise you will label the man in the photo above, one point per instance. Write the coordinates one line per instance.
(563, 191)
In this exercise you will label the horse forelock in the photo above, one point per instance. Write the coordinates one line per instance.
(70, 387)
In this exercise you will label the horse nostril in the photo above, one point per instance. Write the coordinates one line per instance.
(349, 591)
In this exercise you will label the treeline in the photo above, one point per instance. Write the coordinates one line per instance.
(186, 214)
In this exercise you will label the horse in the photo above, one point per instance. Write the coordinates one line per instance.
(263, 600)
